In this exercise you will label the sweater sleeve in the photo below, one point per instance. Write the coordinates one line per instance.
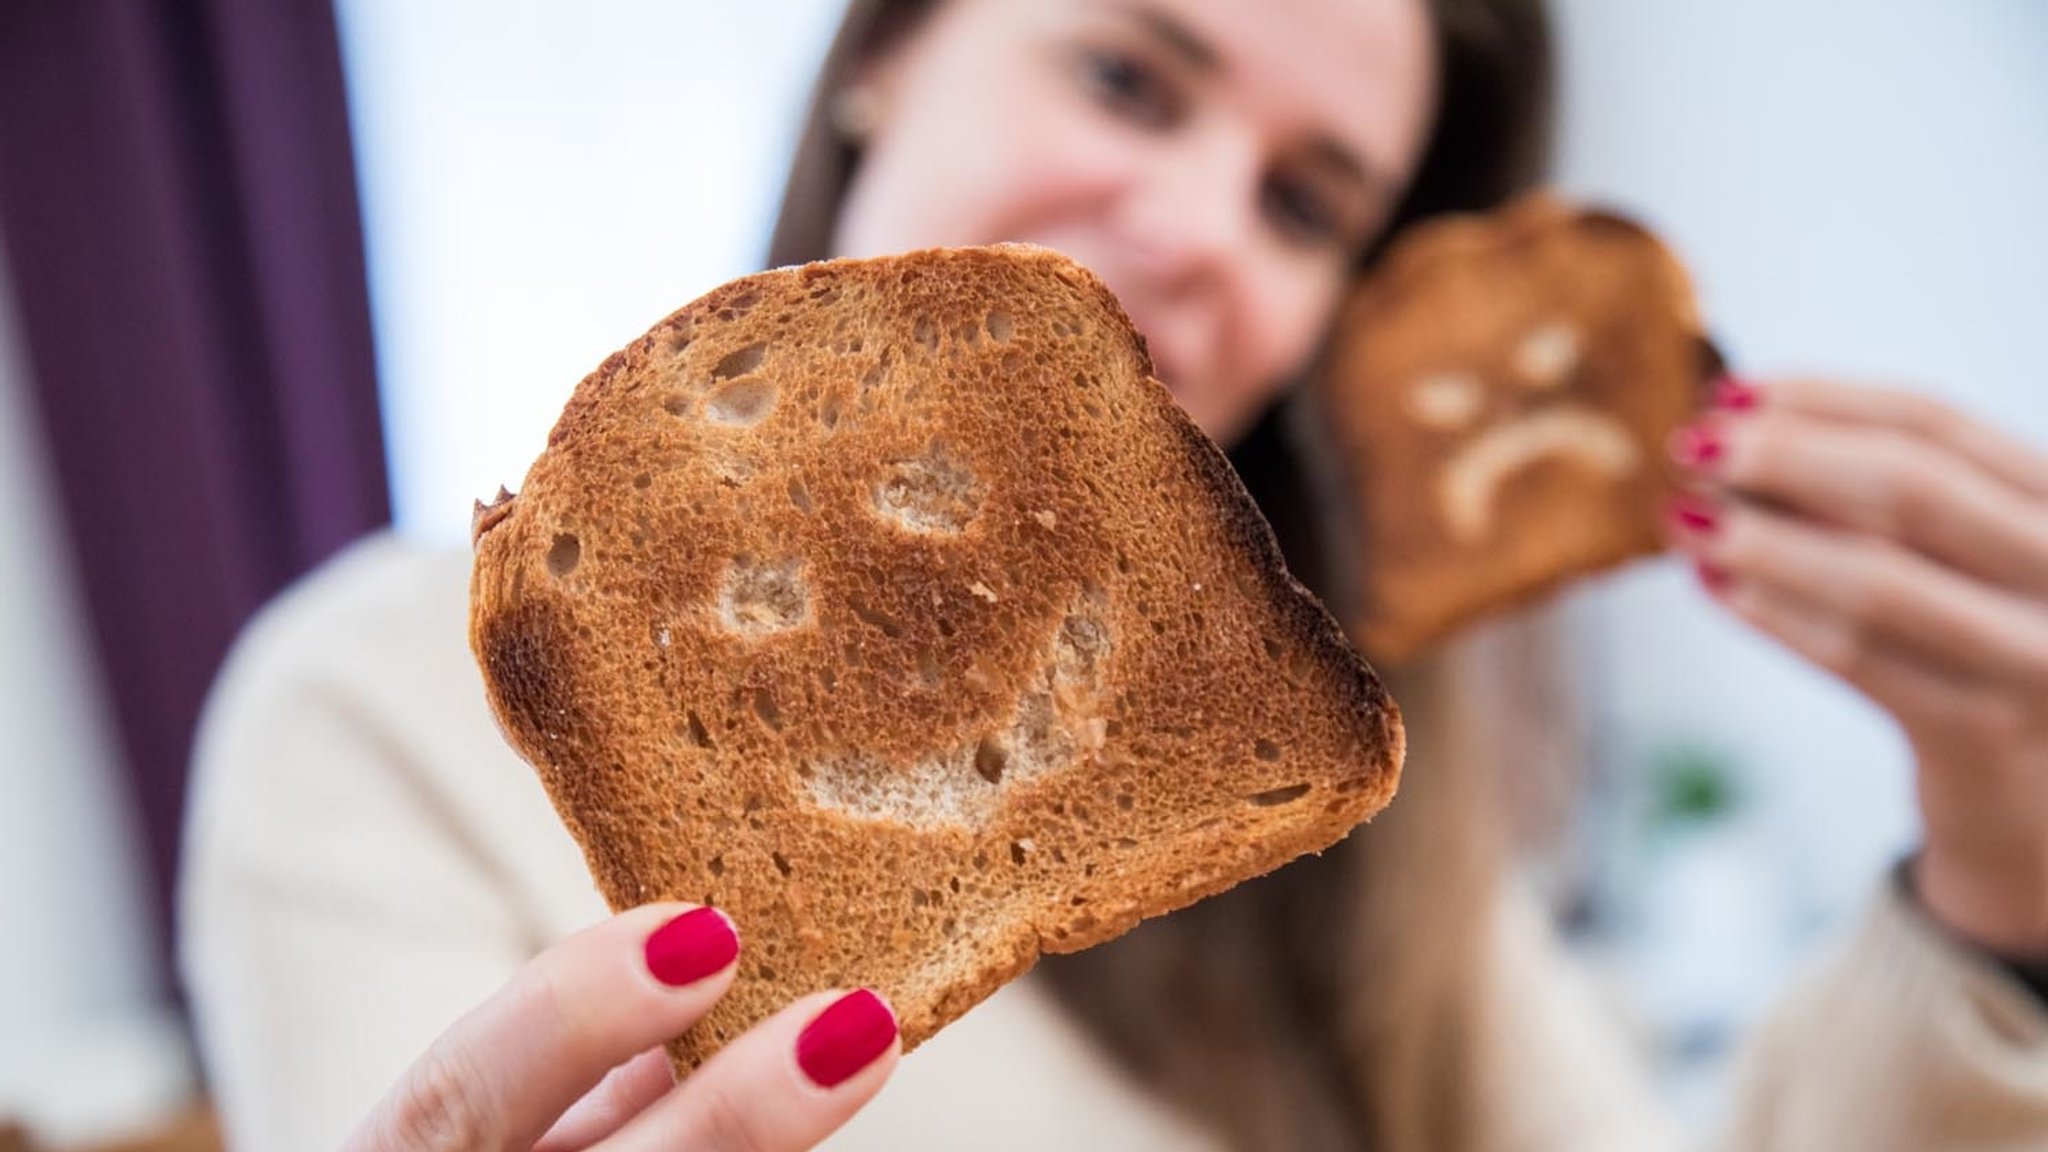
(350, 884)
(1557, 1069)
(1901, 1040)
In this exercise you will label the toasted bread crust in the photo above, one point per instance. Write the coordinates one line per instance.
(894, 608)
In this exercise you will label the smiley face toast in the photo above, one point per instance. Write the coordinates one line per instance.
(895, 608)
(1499, 392)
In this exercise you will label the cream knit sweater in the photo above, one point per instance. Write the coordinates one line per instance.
(367, 859)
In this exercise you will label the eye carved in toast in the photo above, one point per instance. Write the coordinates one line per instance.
(1548, 356)
(1469, 487)
(1053, 727)
(934, 492)
(760, 597)
(1446, 400)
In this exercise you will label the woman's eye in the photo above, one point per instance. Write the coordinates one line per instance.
(1126, 86)
(1299, 213)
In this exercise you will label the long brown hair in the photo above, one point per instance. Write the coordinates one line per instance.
(1333, 1004)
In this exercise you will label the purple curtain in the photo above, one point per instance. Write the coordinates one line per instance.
(177, 202)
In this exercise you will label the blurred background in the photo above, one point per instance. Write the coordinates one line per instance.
(274, 274)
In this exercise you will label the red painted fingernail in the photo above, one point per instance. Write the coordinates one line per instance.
(1696, 446)
(1694, 515)
(1714, 576)
(697, 944)
(1736, 395)
(845, 1038)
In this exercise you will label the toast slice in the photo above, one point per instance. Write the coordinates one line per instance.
(893, 607)
(1499, 391)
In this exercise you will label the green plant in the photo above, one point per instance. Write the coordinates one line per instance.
(1692, 782)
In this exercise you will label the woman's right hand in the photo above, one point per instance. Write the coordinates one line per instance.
(567, 1055)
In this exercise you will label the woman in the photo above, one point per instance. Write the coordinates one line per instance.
(368, 858)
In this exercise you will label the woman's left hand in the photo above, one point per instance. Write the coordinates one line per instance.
(1905, 548)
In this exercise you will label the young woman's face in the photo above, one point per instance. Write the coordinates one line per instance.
(1218, 163)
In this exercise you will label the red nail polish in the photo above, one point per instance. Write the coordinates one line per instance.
(1712, 575)
(1696, 446)
(1694, 515)
(1736, 395)
(845, 1038)
(697, 944)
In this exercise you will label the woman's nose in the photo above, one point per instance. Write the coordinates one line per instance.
(1190, 219)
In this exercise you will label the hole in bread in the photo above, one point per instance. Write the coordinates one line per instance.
(643, 481)
(1125, 802)
(1274, 651)
(874, 618)
(875, 375)
(740, 362)
(969, 333)
(990, 758)
(694, 730)
(716, 865)
(761, 597)
(742, 402)
(564, 554)
(1274, 797)
(676, 403)
(800, 496)
(828, 410)
(742, 303)
(1265, 750)
(781, 863)
(765, 972)
(931, 492)
(675, 342)
(766, 708)
(1000, 325)
(926, 333)
(1019, 851)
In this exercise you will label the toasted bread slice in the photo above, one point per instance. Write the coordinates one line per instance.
(893, 607)
(1500, 391)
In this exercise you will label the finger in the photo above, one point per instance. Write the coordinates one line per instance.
(1885, 593)
(1928, 701)
(1997, 454)
(624, 1093)
(502, 1075)
(784, 1085)
(1884, 483)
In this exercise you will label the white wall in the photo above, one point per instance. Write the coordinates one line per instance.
(86, 1048)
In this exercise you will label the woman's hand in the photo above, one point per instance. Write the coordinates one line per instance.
(1904, 548)
(567, 1055)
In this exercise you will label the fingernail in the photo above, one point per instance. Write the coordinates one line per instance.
(1736, 395)
(1712, 575)
(697, 944)
(845, 1038)
(1694, 515)
(1696, 446)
